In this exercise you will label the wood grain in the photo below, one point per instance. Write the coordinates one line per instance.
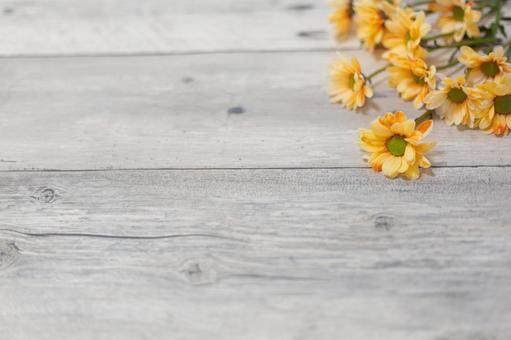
(74, 27)
(259, 219)
(220, 110)
(117, 27)
(255, 254)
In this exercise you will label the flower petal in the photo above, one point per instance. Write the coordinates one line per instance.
(413, 172)
(410, 154)
(425, 127)
(391, 166)
(380, 130)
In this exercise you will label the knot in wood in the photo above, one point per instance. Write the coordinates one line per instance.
(8, 253)
(384, 222)
(198, 272)
(45, 195)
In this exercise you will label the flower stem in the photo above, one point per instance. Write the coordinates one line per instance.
(425, 116)
(467, 42)
(448, 65)
(434, 37)
(453, 55)
(488, 14)
(496, 24)
(481, 4)
(508, 49)
(422, 2)
(378, 71)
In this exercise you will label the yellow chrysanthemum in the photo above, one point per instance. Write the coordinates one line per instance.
(405, 29)
(484, 67)
(393, 144)
(452, 102)
(412, 78)
(370, 16)
(458, 17)
(348, 85)
(341, 17)
(493, 105)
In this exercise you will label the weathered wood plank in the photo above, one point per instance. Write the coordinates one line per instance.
(255, 254)
(220, 110)
(54, 27)
(74, 27)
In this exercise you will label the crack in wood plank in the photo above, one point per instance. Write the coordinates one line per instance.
(122, 237)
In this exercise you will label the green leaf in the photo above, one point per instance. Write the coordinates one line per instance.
(503, 30)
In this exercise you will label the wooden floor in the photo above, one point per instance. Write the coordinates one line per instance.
(172, 169)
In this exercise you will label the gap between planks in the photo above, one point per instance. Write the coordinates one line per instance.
(243, 169)
(179, 53)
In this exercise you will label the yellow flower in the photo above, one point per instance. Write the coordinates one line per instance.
(484, 67)
(348, 84)
(458, 17)
(340, 18)
(412, 78)
(393, 144)
(493, 104)
(452, 102)
(370, 16)
(405, 29)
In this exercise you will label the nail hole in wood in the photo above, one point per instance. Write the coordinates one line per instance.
(301, 7)
(317, 35)
(236, 110)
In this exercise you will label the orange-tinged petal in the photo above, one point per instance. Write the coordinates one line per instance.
(377, 162)
(425, 127)
(400, 116)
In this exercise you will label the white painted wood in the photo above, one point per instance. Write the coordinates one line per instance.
(76, 27)
(54, 27)
(255, 254)
(180, 111)
(227, 254)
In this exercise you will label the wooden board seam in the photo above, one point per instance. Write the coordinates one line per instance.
(179, 53)
(241, 168)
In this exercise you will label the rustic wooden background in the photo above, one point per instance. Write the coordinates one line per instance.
(172, 169)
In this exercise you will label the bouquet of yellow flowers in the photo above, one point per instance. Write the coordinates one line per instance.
(477, 94)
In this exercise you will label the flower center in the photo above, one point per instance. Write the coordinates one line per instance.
(408, 37)
(418, 79)
(458, 13)
(503, 104)
(490, 69)
(396, 145)
(352, 82)
(457, 95)
(382, 15)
